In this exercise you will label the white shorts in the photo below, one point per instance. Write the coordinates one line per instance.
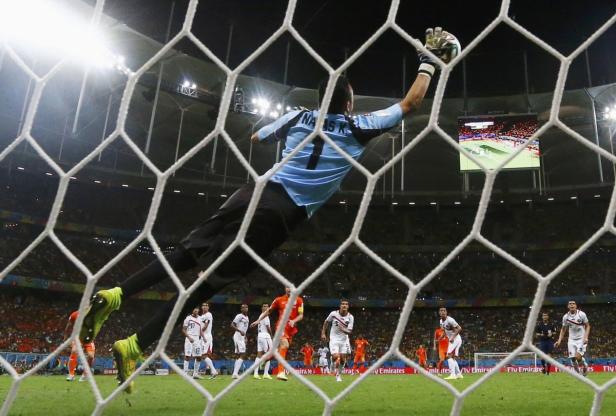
(264, 343)
(322, 362)
(576, 346)
(240, 343)
(192, 349)
(454, 347)
(339, 346)
(208, 343)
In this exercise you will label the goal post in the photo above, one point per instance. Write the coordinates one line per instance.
(491, 359)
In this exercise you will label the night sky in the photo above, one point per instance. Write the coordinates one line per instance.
(333, 26)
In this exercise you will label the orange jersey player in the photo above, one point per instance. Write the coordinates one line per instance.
(297, 314)
(308, 352)
(89, 349)
(441, 343)
(422, 356)
(360, 352)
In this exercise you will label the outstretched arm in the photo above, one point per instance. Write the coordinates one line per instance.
(415, 95)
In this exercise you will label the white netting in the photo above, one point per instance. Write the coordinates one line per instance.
(372, 178)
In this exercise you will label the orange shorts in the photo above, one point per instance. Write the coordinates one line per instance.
(360, 358)
(308, 363)
(422, 362)
(442, 353)
(89, 347)
(288, 334)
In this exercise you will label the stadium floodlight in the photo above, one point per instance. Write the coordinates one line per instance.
(223, 195)
(124, 185)
(48, 173)
(342, 202)
(278, 106)
(274, 114)
(97, 181)
(52, 29)
(73, 178)
(186, 84)
(288, 108)
(456, 203)
(528, 200)
(176, 191)
(550, 199)
(193, 86)
(597, 196)
(432, 203)
(20, 168)
(411, 203)
(200, 194)
(394, 203)
(610, 113)
(574, 197)
(150, 189)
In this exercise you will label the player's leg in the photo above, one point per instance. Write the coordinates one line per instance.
(90, 351)
(255, 373)
(72, 362)
(282, 350)
(269, 346)
(573, 356)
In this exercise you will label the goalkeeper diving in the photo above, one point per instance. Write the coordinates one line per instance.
(292, 195)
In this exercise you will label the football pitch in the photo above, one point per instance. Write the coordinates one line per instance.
(491, 153)
(504, 394)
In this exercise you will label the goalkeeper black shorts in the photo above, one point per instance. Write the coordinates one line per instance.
(275, 217)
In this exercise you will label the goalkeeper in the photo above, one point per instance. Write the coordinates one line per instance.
(291, 196)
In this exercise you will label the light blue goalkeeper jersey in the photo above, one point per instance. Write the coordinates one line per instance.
(315, 173)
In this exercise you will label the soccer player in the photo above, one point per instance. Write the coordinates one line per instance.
(207, 321)
(290, 329)
(360, 353)
(545, 332)
(341, 327)
(441, 343)
(422, 357)
(88, 348)
(240, 326)
(452, 333)
(308, 352)
(323, 364)
(292, 195)
(264, 344)
(192, 343)
(577, 323)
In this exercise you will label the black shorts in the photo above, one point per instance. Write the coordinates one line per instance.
(546, 346)
(275, 217)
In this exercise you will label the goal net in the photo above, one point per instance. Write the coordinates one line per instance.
(526, 350)
(486, 360)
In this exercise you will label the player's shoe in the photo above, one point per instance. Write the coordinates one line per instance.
(338, 378)
(459, 376)
(213, 376)
(102, 304)
(585, 371)
(451, 377)
(235, 376)
(83, 378)
(197, 377)
(256, 377)
(126, 352)
(70, 378)
(267, 377)
(282, 376)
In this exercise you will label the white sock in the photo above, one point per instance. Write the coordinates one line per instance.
(257, 363)
(458, 372)
(196, 368)
(238, 365)
(452, 366)
(210, 365)
(186, 363)
(266, 369)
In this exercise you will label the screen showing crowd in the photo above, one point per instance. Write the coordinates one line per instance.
(492, 140)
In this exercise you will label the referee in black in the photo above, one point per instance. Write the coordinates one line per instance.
(545, 333)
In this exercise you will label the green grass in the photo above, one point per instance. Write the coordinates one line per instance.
(504, 394)
(491, 154)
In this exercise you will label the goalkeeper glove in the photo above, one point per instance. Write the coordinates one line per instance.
(442, 44)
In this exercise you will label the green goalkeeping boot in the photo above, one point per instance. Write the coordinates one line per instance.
(102, 304)
(126, 352)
